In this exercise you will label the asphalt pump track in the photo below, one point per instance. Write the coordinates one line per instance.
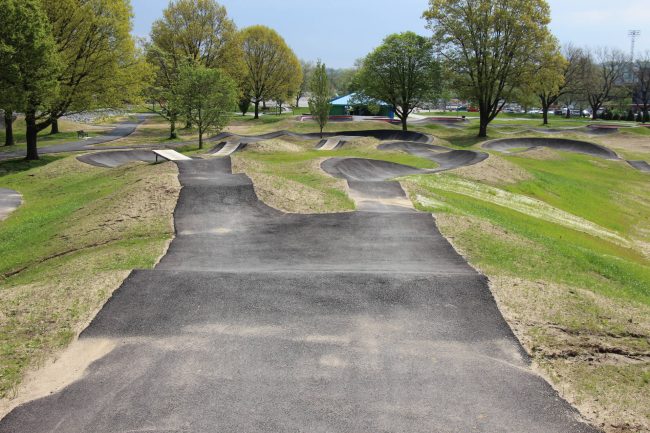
(261, 321)
(369, 181)
(524, 144)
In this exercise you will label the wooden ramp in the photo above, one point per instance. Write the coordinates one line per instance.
(170, 155)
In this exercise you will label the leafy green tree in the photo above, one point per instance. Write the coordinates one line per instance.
(101, 65)
(403, 72)
(548, 80)
(320, 94)
(29, 63)
(207, 96)
(559, 75)
(344, 81)
(271, 68)
(190, 32)
(489, 45)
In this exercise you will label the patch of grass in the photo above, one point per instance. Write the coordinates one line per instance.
(565, 255)
(609, 193)
(640, 130)
(78, 233)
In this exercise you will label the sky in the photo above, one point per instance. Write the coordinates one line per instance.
(341, 31)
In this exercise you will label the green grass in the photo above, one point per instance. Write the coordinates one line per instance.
(345, 151)
(77, 234)
(609, 193)
(564, 255)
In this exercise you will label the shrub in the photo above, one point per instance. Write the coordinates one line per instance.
(630, 116)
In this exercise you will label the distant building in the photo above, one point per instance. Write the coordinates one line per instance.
(354, 104)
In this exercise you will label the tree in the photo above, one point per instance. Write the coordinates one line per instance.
(307, 70)
(271, 68)
(548, 79)
(207, 96)
(190, 32)
(8, 100)
(343, 81)
(30, 62)
(244, 103)
(489, 45)
(605, 71)
(101, 66)
(319, 101)
(403, 72)
(642, 82)
(9, 128)
(560, 75)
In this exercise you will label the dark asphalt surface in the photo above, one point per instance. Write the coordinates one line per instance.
(640, 165)
(260, 321)
(584, 147)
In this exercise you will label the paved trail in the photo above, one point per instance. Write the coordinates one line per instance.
(261, 321)
(121, 130)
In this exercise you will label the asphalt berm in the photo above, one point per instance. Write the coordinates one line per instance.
(261, 321)
(577, 146)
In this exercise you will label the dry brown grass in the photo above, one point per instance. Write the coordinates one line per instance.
(291, 195)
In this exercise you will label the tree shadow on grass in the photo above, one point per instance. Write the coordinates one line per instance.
(19, 165)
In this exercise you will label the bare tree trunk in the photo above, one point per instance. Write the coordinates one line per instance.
(172, 127)
(9, 128)
(594, 112)
(31, 135)
(545, 107)
(200, 138)
(404, 124)
(55, 125)
(257, 109)
(484, 121)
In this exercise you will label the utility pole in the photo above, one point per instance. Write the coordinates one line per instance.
(633, 34)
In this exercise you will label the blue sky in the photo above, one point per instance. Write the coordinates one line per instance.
(340, 31)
